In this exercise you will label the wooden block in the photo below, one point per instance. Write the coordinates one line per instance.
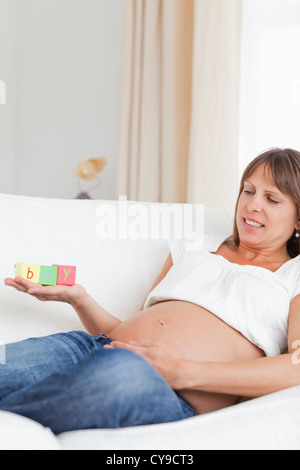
(65, 275)
(28, 271)
(48, 275)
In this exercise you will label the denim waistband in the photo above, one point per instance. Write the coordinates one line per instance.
(102, 339)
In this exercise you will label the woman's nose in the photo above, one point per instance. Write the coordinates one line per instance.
(255, 204)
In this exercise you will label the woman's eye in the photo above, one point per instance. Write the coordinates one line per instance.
(273, 201)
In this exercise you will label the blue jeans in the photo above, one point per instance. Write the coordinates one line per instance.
(68, 382)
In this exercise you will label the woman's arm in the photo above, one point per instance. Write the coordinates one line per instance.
(94, 318)
(251, 379)
(248, 378)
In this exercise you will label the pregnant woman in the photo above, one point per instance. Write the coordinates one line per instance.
(212, 328)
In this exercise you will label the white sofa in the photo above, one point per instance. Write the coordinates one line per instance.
(118, 273)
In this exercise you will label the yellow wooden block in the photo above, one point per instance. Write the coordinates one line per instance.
(28, 271)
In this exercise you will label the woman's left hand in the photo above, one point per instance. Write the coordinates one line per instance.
(159, 355)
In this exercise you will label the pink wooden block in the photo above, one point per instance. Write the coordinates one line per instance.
(65, 275)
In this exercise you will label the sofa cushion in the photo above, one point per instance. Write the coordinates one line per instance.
(271, 422)
(118, 272)
(19, 433)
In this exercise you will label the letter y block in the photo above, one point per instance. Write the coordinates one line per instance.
(66, 275)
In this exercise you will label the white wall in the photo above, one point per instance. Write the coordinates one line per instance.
(270, 77)
(8, 73)
(69, 62)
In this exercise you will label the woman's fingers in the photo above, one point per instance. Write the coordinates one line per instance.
(146, 343)
(16, 284)
(59, 293)
(19, 282)
(164, 359)
(23, 285)
(143, 343)
(121, 345)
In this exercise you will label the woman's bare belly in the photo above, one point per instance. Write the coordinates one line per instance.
(196, 334)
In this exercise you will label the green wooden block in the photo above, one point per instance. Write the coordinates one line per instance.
(48, 275)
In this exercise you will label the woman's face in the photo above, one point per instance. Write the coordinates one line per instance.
(266, 218)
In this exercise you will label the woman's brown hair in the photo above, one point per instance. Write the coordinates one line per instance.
(284, 167)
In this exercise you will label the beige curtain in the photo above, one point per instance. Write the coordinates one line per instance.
(213, 157)
(179, 101)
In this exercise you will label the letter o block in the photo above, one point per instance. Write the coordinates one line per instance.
(66, 275)
(48, 275)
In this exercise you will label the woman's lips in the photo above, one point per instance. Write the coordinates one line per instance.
(252, 223)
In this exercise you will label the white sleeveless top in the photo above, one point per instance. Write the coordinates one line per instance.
(253, 300)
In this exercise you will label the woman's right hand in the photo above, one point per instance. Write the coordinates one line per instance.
(72, 295)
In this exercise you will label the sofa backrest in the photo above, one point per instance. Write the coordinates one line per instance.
(117, 260)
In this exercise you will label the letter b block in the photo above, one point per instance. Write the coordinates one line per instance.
(66, 275)
(31, 272)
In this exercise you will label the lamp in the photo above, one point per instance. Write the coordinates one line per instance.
(2, 92)
(88, 170)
